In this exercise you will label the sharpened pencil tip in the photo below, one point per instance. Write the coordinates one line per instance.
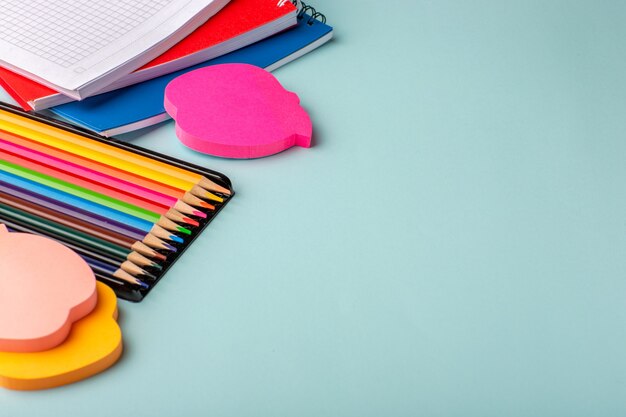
(213, 197)
(183, 230)
(149, 276)
(199, 214)
(207, 205)
(176, 239)
(191, 221)
(210, 185)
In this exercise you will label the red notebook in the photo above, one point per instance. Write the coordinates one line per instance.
(238, 24)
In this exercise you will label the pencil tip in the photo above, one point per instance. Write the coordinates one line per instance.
(191, 221)
(176, 239)
(148, 275)
(211, 185)
(198, 213)
(214, 197)
(207, 205)
(184, 230)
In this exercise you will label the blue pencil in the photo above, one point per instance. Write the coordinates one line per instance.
(79, 202)
(62, 207)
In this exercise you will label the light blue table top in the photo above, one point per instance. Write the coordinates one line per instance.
(454, 243)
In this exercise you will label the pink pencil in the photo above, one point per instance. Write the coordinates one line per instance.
(88, 178)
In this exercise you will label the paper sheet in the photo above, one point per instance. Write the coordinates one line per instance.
(71, 43)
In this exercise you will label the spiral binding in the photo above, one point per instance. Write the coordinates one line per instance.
(315, 15)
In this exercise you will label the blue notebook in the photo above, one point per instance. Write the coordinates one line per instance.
(141, 105)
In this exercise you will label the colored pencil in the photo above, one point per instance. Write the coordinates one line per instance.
(133, 257)
(81, 203)
(109, 155)
(102, 270)
(63, 207)
(105, 268)
(83, 239)
(96, 181)
(110, 189)
(77, 224)
(96, 166)
(107, 170)
(93, 196)
(127, 211)
(114, 142)
(102, 266)
(80, 192)
(180, 218)
(113, 226)
(66, 220)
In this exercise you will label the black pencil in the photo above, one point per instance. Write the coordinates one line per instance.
(105, 266)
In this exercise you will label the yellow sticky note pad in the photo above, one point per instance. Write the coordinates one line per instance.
(94, 344)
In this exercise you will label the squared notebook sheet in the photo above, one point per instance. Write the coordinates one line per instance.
(86, 32)
(80, 46)
(238, 24)
(32, 189)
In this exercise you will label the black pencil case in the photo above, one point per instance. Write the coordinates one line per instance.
(124, 289)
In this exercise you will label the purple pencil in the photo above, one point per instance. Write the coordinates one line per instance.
(70, 210)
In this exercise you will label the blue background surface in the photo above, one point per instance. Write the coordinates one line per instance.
(452, 245)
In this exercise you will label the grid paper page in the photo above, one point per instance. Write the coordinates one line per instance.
(79, 47)
(66, 32)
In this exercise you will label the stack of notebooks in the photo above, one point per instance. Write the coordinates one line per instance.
(105, 67)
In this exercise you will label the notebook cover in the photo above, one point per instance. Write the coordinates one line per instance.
(15, 87)
(145, 100)
(235, 19)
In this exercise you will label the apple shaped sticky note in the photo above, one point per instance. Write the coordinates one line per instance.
(93, 344)
(44, 288)
(236, 111)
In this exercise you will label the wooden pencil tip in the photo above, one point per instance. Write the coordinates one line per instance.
(207, 205)
(191, 221)
(200, 214)
(183, 230)
(214, 197)
(210, 185)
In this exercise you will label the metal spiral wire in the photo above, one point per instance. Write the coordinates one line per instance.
(314, 14)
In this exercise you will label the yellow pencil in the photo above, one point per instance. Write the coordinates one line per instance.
(109, 155)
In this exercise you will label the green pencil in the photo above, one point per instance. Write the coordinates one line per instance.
(80, 192)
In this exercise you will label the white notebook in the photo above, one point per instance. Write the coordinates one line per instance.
(78, 47)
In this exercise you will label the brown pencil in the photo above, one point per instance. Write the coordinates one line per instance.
(145, 247)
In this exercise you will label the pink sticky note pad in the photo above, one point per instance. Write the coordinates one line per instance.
(236, 111)
(44, 288)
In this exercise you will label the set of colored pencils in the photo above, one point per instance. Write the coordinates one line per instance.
(128, 212)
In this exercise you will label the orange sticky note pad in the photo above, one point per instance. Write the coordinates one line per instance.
(93, 344)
